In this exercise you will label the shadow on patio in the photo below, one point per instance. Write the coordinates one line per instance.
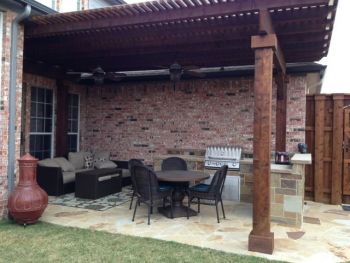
(322, 238)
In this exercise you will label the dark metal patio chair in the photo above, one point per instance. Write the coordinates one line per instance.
(148, 190)
(131, 163)
(212, 191)
(174, 163)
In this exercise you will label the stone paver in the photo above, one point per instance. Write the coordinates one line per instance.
(328, 241)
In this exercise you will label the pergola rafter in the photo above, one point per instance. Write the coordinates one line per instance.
(167, 27)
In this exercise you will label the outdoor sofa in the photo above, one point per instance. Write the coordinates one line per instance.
(57, 175)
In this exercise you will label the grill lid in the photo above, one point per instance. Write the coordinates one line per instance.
(216, 156)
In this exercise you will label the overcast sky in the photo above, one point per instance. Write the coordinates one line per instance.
(337, 78)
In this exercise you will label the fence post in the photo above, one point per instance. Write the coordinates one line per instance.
(319, 146)
(337, 153)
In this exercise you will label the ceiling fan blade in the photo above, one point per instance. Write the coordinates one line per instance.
(115, 76)
(85, 75)
(194, 73)
(73, 73)
(190, 67)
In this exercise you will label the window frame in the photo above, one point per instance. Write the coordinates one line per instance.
(52, 133)
(78, 121)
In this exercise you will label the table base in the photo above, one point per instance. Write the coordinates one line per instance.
(178, 211)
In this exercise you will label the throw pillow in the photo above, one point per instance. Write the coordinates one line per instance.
(106, 164)
(99, 160)
(89, 161)
(64, 164)
(102, 155)
(77, 159)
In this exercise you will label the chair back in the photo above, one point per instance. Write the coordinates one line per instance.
(174, 163)
(133, 162)
(218, 181)
(146, 182)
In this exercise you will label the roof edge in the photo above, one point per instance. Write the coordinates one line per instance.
(18, 5)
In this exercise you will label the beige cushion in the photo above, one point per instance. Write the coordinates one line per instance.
(68, 177)
(48, 163)
(104, 178)
(107, 177)
(83, 170)
(77, 159)
(64, 164)
(105, 164)
(125, 173)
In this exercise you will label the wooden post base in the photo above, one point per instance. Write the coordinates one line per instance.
(262, 244)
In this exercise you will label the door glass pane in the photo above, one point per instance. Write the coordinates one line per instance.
(73, 122)
(41, 122)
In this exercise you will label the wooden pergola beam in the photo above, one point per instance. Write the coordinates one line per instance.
(266, 28)
(64, 21)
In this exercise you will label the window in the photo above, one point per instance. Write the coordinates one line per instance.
(73, 123)
(41, 123)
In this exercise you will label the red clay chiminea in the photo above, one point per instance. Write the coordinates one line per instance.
(28, 201)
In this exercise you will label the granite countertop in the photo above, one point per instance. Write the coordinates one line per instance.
(275, 168)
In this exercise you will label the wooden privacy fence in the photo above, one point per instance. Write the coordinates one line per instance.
(327, 133)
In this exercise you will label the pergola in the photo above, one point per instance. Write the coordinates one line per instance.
(205, 33)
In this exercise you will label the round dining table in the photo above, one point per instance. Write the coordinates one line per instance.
(180, 181)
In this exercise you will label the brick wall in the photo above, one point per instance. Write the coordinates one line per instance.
(4, 105)
(142, 120)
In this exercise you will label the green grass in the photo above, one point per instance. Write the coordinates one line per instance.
(44, 242)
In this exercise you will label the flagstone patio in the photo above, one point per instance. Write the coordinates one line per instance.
(324, 236)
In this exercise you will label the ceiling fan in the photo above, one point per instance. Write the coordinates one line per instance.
(176, 71)
(98, 75)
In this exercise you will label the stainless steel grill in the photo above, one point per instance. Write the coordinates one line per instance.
(216, 157)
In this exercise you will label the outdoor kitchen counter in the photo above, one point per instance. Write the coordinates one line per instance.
(286, 184)
(287, 187)
(297, 159)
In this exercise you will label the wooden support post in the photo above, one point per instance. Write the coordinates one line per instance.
(281, 112)
(337, 158)
(261, 239)
(319, 146)
(61, 119)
